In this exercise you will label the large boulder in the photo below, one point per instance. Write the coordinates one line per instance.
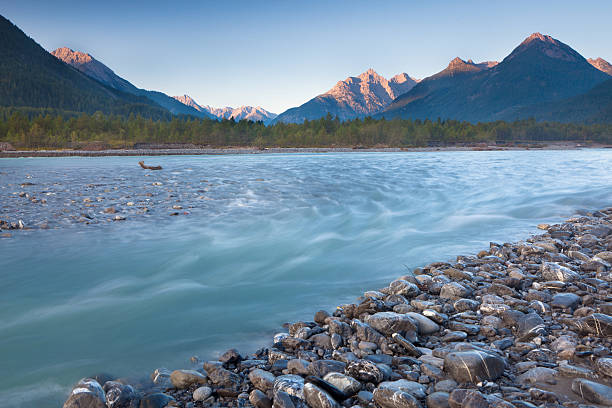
(554, 272)
(411, 387)
(262, 380)
(86, 393)
(120, 395)
(391, 322)
(317, 398)
(593, 392)
(474, 366)
(183, 379)
(364, 370)
(344, 383)
(388, 398)
(455, 290)
(320, 368)
(291, 384)
(425, 325)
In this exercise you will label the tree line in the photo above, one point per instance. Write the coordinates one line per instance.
(36, 128)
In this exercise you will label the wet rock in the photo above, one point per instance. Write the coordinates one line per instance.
(463, 398)
(231, 356)
(161, 378)
(317, 398)
(262, 380)
(555, 272)
(86, 393)
(598, 323)
(407, 345)
(454, 290)
(202, 393)
(365, 371)
(340, 328)
(291, 384)
(464, 305)
(438, 399)
(259, 399)
(464, 327)
(391, 322)
(411, 387)
(425, 326)
(365, 397)
(473, 366)
(454, 336)
(538, 375)
(321, 340)
(348, 385)
(530, 326)
(298, 366)
(320, 368)
(404, 288)
(565, 301)
(445, 385)
(182, 379)
(604, 366)
(284, 400)
(157, 400)
(592, 391)
(320, 317)
(388, 398)
(224, 378)
(119, 395)
(568, 370)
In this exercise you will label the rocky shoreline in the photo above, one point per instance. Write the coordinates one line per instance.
(526, 324)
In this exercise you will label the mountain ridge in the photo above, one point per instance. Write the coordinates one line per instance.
(97, 70)
(539, 70)
(354, 97)
(31, 77)
(244, 112)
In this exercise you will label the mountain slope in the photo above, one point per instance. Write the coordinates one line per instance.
(595, 106)
(601, 64)
(242, 113)
(540, 70)
(100, 72)
(30, 76)
(355, 97)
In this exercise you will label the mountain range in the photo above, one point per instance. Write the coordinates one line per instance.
(31, 77)
(540, 72)
(355, 97)
(93, 68)
(254, 114)
(541, 78)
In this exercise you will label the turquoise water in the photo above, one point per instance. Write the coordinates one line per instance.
(260, 240)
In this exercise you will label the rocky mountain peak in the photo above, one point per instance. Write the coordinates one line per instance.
(189, 101)
(72, 57)
(545, 45)
(601, 64)
(539, 37)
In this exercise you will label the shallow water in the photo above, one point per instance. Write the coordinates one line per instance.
(260, 240)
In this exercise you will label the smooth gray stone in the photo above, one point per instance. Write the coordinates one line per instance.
(592, 391)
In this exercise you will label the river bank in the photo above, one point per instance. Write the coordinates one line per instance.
(518, 325)
(254, 150)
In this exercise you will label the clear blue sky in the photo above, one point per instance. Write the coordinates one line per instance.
(279, 54)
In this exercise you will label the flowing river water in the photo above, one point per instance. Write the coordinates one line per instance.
(255, 241)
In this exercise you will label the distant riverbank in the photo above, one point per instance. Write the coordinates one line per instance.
(255, 150)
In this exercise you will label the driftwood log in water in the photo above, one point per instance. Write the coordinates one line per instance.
(144, 166)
